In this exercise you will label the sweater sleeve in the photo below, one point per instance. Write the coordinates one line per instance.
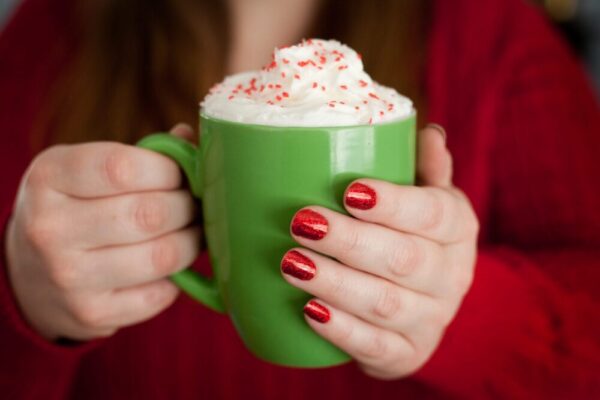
(32, 51)
(31, 367)
(530, 326)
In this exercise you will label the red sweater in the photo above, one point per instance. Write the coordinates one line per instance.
(523, 126)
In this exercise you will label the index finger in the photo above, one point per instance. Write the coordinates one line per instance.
(441, 215)
(102, 169)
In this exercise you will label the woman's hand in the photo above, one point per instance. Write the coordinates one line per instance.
(398, 270)
(96, 230)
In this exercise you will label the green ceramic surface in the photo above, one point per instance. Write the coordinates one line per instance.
(251, 180)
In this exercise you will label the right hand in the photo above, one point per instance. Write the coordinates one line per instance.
(96, 231)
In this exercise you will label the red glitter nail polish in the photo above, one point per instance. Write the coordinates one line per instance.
(317, 311)
(309, 224)
(360, 196)
(298, 265)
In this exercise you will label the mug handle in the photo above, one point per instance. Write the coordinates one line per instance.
(198, 287)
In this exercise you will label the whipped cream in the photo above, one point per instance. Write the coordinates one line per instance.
(314, 83)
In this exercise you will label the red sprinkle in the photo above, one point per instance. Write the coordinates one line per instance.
(283, 74)
(357, 108)
(296, 76)
(323, 88)
(278, 98)
(285, 61)
(370, 121)
(381, 113)
(344, 87)
(270, 86)
(278, 86)
(285, 94)
(365, 102)
(373, 95)
(359, 56)
(314, 85)
(322, 59)
(230, 97)
(362, 83)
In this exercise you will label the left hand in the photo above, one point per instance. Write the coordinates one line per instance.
(398, 270)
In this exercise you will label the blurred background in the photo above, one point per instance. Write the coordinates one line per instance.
(6, 7)
(577, 20)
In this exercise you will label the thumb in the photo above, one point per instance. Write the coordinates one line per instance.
(434, 162)
(184, 131)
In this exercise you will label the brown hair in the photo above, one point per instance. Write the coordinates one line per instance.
(143, 66)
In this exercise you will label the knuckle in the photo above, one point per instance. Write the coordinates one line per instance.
(40, 231)
(88, 314)
(150, 214)
(388, 303)
(472, 225)
(159, 297)
(351, 242)
(338, 285)
(38, 176)
(462, 282)
(403, 258)
(63, 274)
(434, 213)
(444, 316)
(344, 334)
(375, 348)
(118, 169)
(165, 257)
(438, 315)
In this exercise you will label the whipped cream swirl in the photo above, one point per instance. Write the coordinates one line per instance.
(315, 83)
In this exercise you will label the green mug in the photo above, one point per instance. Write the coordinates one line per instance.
(251, 180)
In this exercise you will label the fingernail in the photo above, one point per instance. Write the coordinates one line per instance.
(317, 311)
(438, 128)
(360, 196)
(309, 224)
(298, 265)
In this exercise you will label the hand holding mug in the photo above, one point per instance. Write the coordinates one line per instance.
(399, 268)
(96, 230)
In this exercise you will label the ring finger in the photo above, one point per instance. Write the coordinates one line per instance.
(368, 297)
(124, 266)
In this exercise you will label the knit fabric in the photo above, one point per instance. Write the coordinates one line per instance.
(524, 129)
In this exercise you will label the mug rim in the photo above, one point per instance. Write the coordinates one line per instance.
(412, 114)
